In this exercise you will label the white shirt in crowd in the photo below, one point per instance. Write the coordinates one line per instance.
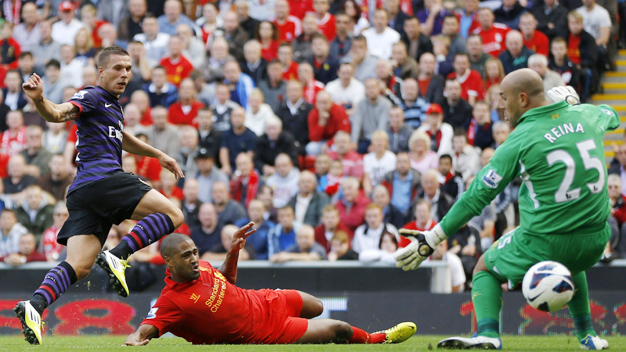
(379, 44)
(378, 168)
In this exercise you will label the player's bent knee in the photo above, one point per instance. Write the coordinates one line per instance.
(317, 307)
(343, 331)
(177, 217)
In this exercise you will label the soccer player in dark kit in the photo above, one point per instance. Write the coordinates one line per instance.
(102, 194)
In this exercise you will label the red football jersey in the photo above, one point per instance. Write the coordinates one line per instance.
(211, 310)
(539, 43)
(471, 84)
(573, 48)
(184, 116)
(327, 26)
(299, 8)
(404, 241)
(310, 91)
(289, 30)
(291, 72)
(176, 71)
(493, 39)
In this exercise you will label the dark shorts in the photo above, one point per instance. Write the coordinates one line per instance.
(96, 207)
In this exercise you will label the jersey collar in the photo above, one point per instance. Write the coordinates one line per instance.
(544, 110)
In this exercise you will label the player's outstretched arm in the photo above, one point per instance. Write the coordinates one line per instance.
(135, 146)
(50, 111)
(229, 267)
(142, 336)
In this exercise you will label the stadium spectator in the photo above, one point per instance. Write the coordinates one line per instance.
(294, 112)
(83, 46)
(382, 251)
(239, 139)
(340, 46)
(206, 91)
(239, 84)
(207, 175)
(130, 24)
(58, 179)
(398, 132)
(583, 51)
(13, 139)
(380, 196)
(253, 65)
(440, 133)
(325, 20)
(480, 131)
(27, 252)
(431, 17)
(272, 143)
(562, 64)
(331, 224)
(185, 110)
(177, 67)
(396, 15)
(35, 213)
(368, 236)
(52, 250)
(159, 90)
(209, 137)
(451, 30)
(64, 31)
(412, 104)
(257, 112)
(234, 34)
(551, 18)
(223, 108)
(302, 44)
(149, 169)
(188, 147)
(308, 203)
(539, 64)
(266, 195)
(324, 121)
(358, 21)
(108, 35)
(193, 47)
(305, 249)
(533, 39)
(378, 162)
(37, 157)
(26, 65)
(274, 89)
(140, 99)
(417, 43)
(439, 201)
(284, 181)
(46, 48)
(492, 34)
(10, 232)
(471, 81)
(210, 21)
(370, 115)
(617, 242)
(501, 131)
(468, 17)
(364, 63)
(172, 17)
(352, 206)
(310, 86)
(330, 182)
(509, 13)
(247, 183)
(456, 110)
(283, 235)
(430, 84)
(597, 22)
(324, 66)
(53, 82)
(289, 27)
(207, 233)
(290, 67)
(14, 97)
(26, 33)
(228, 210)
(465, 243)
(451, 183)
(441, 45)
(404, 65)
(516, 54)
(161, 134)
(258, 240)
(219, 251)
(132, 119)
(390, 84)
(267, 35)
(168, 186)
(246, 22)
(17, 180)
(154, 40)
(423, 220)
(340, 248)
(190, 204)
(494, 72)
(89, 16)
(422, 157)
(465, 158)
(380, 38)
(346, 90)
(342, 150)
(618, 166)
(403, 184)
(477, 57)
(457, 273)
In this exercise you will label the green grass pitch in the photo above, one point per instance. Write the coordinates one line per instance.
(417, 343)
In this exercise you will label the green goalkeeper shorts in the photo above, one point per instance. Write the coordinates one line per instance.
(514, 253)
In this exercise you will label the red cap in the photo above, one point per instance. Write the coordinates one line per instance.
(66, 6)
(434, 109)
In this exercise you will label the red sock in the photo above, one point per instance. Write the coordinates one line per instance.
(361, 336)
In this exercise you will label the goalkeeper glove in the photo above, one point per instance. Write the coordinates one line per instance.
(422, 245)
(567, 93)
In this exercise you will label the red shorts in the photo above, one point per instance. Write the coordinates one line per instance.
(284, 324)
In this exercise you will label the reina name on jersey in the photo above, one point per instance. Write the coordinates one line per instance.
(561, 130)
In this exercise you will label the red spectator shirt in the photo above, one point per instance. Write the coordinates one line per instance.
(352, 163)
(149, 168)
(13, 51)
(338, 121)
(211, 310)
(178, 116)
(49, 241)
(404, 241)
(309, 92)
(289, 30)
(12, 145)
(270, 52)
(178, 70)
(320, 235)
(176, 192)
(353, 216)
(493, 38)
(471, 84)
(573, 48)
(299, 8)
(327, 26)
(539, 43)
(291, 72)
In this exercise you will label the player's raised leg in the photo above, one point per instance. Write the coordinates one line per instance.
(581, 312)
(157, 217)
(81, 253)
(487, 300)
(336, 331)
(311, 306)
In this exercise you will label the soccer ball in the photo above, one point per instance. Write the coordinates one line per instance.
(548, 286)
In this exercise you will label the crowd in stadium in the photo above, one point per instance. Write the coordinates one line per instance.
(329, 124)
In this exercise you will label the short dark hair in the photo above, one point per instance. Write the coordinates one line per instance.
(53, 62)
(319, 35)
(274, 62)
(360, 38)
(24, 54)
(450, 16)
(103, 57)
(445, 156)
(170, 243)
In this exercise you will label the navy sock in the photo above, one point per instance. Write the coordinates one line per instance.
(147, 231)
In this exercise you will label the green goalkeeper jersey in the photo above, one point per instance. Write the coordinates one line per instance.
(557, 149)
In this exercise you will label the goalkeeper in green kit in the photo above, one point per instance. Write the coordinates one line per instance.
(557, 149)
